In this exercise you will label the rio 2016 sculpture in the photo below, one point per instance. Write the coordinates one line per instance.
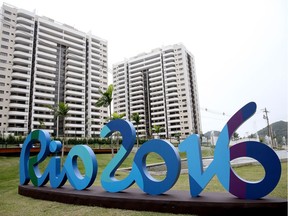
(198, 179)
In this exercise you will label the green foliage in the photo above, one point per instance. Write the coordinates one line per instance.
(42, 125)
(90, 141)
(60, 110)
(106, 98)
(157, 129)
(235, 136)
(116, 115)
(136, 118)
(279, 130)
(12, 140)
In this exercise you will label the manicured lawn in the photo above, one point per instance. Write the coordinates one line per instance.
(11, 203)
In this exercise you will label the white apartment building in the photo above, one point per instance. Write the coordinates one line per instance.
(43, 62)
(161, 86)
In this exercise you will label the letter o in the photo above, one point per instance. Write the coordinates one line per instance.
(90, 164)
(172, 160)
(270, 162)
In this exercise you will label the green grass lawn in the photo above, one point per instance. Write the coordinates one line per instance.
(11, 203)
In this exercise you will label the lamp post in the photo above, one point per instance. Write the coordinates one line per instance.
(265, 116)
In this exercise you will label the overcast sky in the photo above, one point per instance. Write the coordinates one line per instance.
(240, 46)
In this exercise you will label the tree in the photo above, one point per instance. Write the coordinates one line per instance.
(178, 135)
(114, 117)
(105, 101)
(157, 129)
(117, 116)
(42, 124)
(136, 117)
(235, 136)
(61, 111)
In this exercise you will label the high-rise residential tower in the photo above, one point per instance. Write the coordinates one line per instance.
(43, 62)
(161, 87)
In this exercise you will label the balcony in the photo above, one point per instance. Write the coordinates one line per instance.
(45, 62)
(75, 40)
(76, 69)
(75, 57)
(19, 82)
(76, 93)
(44, 95)
(155, 83)
(74, 99)
(23, 32)
(157, 97)
(48, 46)
(44, 81)
(46, 68)
(22, 54)
(75, 87)
(24, 41)
(157, 103)
(16, 105)
(23, 48)
(75, 112)
(20, 75)
(156, 88)
(75, 75)
(75, 81)
(76, 63)
(76, 51)
(43, 116)
(16, 113)
(44, 88)
(43, 102)
(45, 75)
(21, 61)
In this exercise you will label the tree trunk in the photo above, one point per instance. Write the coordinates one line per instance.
(62, 152)
(137, 138)
(111, 144)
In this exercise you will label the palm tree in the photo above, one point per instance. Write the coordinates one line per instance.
(105, 101)
(42, 124)
(115, 116)
(61, 111)
(178, 135)
(157, 129)
(136, 117)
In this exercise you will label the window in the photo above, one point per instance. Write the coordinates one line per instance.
(6, 40)
(4, 47)
(7, 12)
(6, 26)
(7, 19)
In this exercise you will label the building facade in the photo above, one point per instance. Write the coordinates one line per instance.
(161, 87)
(43, 62)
